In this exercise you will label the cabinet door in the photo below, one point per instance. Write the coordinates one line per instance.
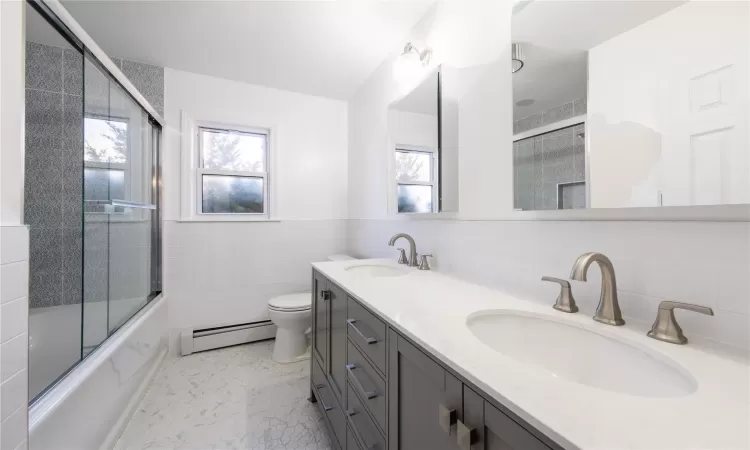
(320, 319)
(424, 400)
(337, 348)
(485, 427)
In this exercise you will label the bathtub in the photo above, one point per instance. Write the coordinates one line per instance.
(89, 408)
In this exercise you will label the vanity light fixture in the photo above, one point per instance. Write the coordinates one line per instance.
(517, 57)
(424, 55)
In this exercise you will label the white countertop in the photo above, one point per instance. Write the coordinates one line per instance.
(431, 309)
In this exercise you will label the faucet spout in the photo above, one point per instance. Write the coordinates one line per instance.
(608, 310)
(412, 247)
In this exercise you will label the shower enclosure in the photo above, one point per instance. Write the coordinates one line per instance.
(91, 200)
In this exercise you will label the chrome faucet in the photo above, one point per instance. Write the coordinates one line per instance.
(608, 310)
(412, 261)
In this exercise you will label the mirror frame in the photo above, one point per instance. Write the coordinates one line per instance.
(439, 71)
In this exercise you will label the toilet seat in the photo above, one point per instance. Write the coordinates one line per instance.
(291, 302)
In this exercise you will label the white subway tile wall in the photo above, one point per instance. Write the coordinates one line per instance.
(224, 273)
(14, 276)
(707, 263)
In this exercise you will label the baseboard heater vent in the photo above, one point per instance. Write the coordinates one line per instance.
(192, 341)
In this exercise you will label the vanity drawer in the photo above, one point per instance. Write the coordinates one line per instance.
(351, 440)
(364, 426)
(368, 332)
(367, 383)
(329, 406)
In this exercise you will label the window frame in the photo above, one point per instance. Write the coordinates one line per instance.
(201, 171)
(434, 174)
(126, 167)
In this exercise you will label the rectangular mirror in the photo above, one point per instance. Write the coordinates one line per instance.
(630, 104)
(424, 172)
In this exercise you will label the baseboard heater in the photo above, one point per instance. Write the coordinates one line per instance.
(192, 341)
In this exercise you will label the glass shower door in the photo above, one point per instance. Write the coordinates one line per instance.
(132, 215)
(102, 179)
(90, 201)
(52, 200)
(120, 207)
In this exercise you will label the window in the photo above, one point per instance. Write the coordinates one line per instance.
(416, 176)
(232, 175)
(105, 161)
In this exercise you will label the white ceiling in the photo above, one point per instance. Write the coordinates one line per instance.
(556, 36)
(582, 25)
(325, 48)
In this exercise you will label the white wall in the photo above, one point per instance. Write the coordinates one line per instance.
(676, 125)
(14, 236)
(224, 272)
(696, 262)
(482, 102)
(704, 263)
(415, 129)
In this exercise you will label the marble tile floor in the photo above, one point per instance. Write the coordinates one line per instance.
(231, 398)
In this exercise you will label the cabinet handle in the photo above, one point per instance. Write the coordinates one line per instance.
(351, 412)
(325, 295)
(369, 395)
(320, 387)
(465, 436)
(447, 418)
(369, 340)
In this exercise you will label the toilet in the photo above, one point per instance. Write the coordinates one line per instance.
(292, 316)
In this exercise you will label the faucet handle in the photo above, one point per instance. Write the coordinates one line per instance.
(565, 301)
(666, 328)
(402, 256)
(423, 264)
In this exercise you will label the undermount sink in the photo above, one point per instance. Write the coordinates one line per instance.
(377, 270)
(580, 355)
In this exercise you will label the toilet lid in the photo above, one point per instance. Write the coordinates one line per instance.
(291, 302)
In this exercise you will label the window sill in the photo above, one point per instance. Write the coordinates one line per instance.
(227, 218)
(445, 215)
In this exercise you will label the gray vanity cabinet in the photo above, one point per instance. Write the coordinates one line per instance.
(484, 427)
(424, 400)
(337, 355)
(329, 332)
(377, 390)
(329, 354)
(320, 319)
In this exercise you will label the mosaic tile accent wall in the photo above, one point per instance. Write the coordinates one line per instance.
(541, 162)
(571, 109)
(52, 200)
(54, 174)
(148, 79)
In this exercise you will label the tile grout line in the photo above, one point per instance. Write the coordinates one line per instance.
(13, 338)
(11, 376)
(11, 414)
